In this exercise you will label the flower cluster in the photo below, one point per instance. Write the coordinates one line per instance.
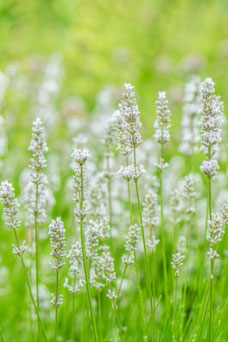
(177, 263)
(131, 172)
(211, 123)
(121, 134)
(209, 168)
(80, 156)
(127, 122)
(79, 180)
(38, 147)
(57, 239)
(215, 233)
(76, 262)
(190, 135)
(35, 190)
(162, 121)
(150, 218)
(130, 244)
(189, 194)
(10, 204)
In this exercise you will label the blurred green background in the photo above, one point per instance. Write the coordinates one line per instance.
(154, 44)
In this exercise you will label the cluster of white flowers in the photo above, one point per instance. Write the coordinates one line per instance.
(10, 204)
(131, 172)
(96, 197)
(11, 212)
(80, 156)
(162, 121)
(189, 194)
(150, 218)
(76, 262)
(130, 115)
(209, 168)
(177, 263)
(130, 244)
(57, 239)
(121, 134)
(176, 207)
(190, 135)
(216, 231)
(211, 123)
(37, 187)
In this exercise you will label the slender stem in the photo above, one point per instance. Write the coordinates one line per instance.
(163, 237)
(29, 288)
(56, 308)
(85, 259)
(37, 247)
(187, 271)
(174, 309)
(212, 266)
(100, 315)
(122, 279)
(148, 278)
(73, 310)
(136, 263)
(140, 297)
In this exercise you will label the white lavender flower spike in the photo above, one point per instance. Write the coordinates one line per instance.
(161, 124)
(177, 263)
(209, 168)
(10, 204)
(57, 238)
(211, 119)
(80, 156)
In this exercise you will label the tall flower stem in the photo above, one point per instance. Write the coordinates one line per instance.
(174, 309)
(136, 263)
(163, 235)
(56, 308)
(37, 246)
(86, 270)
(29, 288)
(148, 278)
(100, 315)
(212, 266)
(73, 310)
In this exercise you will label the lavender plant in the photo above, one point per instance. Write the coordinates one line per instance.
(38, 147)
(57, 239)
(162, 136)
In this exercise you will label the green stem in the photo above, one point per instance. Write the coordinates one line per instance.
(56, 308)
(186, 276)
(174, 309)
(100, 315)
(148, 278)
(163, 237)
(136, 263)
(73, 310)
(85, 259)
(37, 247)
(212, 266)
(29, 288)
(140, 298)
